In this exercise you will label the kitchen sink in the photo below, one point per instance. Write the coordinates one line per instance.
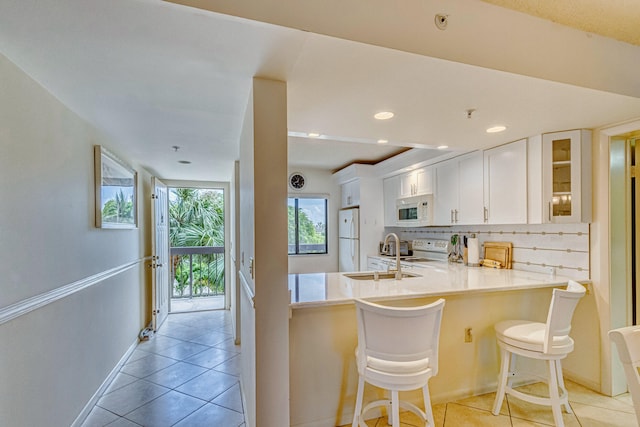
(380, 276)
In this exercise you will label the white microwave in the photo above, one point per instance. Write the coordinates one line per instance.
(416, 211)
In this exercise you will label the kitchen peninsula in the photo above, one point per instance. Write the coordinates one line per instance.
(323, 331)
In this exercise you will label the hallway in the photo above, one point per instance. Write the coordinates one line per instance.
(183, 376)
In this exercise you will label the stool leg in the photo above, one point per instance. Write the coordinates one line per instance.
(428, 411)
(395, 408)
(562, 386)
(357, 411)
(502, 381)
(553, 394)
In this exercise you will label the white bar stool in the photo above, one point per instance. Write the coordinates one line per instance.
(397, 351)
(627, 341)
(548, 341)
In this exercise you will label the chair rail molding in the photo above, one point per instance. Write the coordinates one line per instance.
(28, 305)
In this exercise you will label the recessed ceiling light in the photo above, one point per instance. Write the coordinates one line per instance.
(442, 147)
(496, 129)
(383, 115)
(313, 135)
(383, 141)
(184, 162)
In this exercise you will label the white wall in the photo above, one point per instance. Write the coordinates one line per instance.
(319, 183)
(263, 239)
(54, 358)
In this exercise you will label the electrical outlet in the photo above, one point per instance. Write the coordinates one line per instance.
(467, 335)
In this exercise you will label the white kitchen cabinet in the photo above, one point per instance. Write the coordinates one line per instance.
(351, 193)
(505, 184)
(566, 186)
(459, 194)
(417, 182)
(391, 193)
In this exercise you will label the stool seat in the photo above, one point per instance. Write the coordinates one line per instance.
(531, 336)
(397, 351)
(548, 341)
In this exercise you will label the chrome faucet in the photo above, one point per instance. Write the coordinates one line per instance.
(398, 267)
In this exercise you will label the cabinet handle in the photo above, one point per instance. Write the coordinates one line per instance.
(451, 216)
(486, 214)
(456, 215)
(550, 211)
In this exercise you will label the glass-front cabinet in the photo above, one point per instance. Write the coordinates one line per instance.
(567, 176)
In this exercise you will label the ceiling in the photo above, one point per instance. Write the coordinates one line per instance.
(616, 19)
(153, 75)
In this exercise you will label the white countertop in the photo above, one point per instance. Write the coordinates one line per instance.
(437, 278)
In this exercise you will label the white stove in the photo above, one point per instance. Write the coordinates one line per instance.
(430, 249)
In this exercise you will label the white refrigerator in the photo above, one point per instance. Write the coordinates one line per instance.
(349, 240)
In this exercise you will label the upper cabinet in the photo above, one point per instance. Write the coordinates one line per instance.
(505, 184)
(566, 177)
(458, 195)
(351, 193)
(417, 182)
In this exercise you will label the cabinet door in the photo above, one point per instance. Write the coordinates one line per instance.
(563, 159)
(424, 181)
(470, 192)
(391, 189)
(351, 193)
(505, 184)
(446, 194)
(407, 184)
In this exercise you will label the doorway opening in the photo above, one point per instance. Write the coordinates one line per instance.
(634, 154)
(197, 249)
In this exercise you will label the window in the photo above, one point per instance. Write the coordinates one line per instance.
(307, 226)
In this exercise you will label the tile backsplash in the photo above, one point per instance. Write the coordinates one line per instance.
(539, 248)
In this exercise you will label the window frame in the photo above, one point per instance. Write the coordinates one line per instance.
(296, 198)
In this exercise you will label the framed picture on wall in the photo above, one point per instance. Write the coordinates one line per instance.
(116, 191)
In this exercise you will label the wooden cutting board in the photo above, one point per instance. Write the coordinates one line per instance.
(499, 251)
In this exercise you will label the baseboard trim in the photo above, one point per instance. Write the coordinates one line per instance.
(82, 416)
(30, 304)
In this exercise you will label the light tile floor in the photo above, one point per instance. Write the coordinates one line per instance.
(186, 375)
(590, 409)
(181, 305)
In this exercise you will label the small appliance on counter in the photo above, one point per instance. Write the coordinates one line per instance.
(390, 249)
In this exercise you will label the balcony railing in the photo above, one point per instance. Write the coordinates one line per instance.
(197, 271)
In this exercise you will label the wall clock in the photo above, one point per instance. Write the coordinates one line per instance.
(297, 181)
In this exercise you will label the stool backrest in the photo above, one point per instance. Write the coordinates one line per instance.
(627, 341)
(399, 334)
(563, 304)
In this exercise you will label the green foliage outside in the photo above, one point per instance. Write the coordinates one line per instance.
(118, 210)
(196, 218)
(308, 232)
